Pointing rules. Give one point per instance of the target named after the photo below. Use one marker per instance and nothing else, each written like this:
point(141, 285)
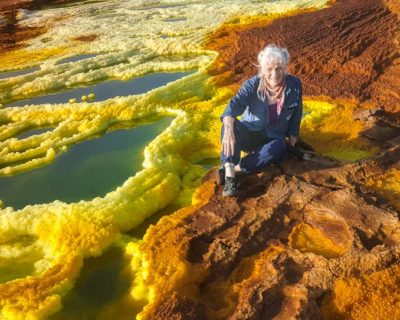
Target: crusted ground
point(279, 249)
point(305, 240)
point(315, 239)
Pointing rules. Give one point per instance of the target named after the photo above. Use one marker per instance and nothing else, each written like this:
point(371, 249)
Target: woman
point(270, 104)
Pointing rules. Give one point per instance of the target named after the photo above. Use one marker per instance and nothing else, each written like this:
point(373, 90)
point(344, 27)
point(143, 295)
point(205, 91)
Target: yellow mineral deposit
point(332, 130)
point(373, 296)
point(166, 272)
point(24, 58)
point(388, 186)
point(307, 238)
point(64, 234)
point(322, 233)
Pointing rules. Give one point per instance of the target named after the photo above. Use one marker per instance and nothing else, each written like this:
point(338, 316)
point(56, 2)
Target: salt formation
point(307, 240)
point(49, 241)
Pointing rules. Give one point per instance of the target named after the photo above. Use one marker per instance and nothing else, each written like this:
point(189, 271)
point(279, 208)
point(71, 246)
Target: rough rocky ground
point(281, 248)
point(12, 34)
point(303, 240)
point(276, 251)
point(348, 50)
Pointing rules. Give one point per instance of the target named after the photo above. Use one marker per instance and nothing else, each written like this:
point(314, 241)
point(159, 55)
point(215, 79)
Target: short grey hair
point(274, 52)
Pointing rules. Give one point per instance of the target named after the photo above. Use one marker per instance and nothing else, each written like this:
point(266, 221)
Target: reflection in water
point(10, 74)
point(103, 284)
point(33, 132)
point(77, 58)
point(108, 89)
point(209, 163)
point(89, 169)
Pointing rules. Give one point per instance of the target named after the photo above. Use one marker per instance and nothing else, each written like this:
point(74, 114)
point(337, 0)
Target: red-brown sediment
point(86, 38)
point(255, 267)
point(348, 50)
point(10, 5)
point(12, 35)
point(229, 237)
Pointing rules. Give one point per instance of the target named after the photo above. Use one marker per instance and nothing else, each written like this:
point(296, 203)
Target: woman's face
point(274, 72)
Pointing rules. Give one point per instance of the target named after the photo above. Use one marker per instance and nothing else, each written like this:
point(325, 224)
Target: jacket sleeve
point(237, 105)
point(294, 124)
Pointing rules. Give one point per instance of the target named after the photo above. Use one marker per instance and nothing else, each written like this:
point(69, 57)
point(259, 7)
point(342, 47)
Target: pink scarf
point(276, 93)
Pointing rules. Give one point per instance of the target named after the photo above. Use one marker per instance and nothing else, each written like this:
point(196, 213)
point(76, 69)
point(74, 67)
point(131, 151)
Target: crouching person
point(270, 106)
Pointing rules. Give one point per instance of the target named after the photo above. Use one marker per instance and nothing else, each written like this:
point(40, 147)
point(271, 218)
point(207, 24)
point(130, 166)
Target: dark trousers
point(261, 151)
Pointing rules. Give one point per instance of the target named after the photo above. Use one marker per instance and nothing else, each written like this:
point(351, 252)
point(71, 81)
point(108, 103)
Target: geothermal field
point(110, 140)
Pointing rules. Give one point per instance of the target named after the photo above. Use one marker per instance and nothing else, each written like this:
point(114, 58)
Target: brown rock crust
point(233, 238)
point(277, 250)
point(349, 50)
point(12, 34)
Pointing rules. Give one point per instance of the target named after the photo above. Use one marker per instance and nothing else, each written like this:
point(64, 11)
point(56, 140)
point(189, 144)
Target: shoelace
point(230, 183)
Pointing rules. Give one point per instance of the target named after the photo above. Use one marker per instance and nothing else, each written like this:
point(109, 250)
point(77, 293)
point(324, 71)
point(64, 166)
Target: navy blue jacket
point(254, 111)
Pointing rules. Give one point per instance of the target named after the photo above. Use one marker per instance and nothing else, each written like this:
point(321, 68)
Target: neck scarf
point(266, 92)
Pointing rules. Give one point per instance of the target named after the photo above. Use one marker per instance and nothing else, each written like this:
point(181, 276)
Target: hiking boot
point(220, 176)
point(230, 188)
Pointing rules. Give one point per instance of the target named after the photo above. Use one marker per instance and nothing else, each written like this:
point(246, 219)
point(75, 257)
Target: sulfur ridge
point(49, 242)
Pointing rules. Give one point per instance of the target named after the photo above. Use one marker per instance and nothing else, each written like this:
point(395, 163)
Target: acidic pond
point(88, 169)
point(10, 74)
point(76, 58)
point(108, 89)
point(96, 166)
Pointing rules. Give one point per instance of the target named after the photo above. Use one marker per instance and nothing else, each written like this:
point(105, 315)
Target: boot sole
point(229, 194)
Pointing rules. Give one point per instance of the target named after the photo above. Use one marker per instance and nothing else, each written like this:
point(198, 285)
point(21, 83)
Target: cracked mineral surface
point(312, 239)
point(309, 239)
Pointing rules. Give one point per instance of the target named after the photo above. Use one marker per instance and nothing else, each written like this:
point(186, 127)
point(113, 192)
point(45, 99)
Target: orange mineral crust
point(19, 296)
point(348, 50)
point(303, 238)
point(279, 248)
point(374, 296)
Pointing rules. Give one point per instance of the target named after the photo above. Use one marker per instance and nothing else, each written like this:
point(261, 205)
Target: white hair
point(270, 52)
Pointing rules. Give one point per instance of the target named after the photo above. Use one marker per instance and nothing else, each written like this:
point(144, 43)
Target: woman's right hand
point(228, 141)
